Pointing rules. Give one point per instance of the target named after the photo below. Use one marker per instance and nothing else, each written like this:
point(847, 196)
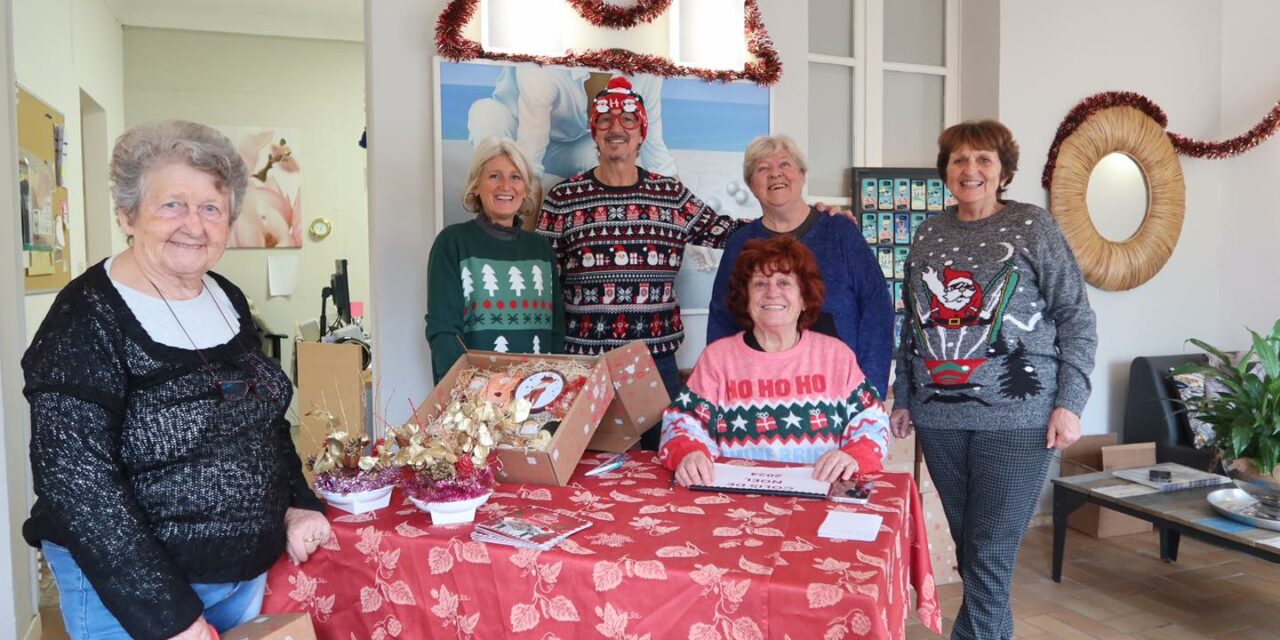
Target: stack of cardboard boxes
point(905, 457)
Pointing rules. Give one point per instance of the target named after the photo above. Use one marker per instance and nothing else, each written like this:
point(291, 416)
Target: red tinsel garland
point(1255, 136)
point(765, 70)
point(601, 14)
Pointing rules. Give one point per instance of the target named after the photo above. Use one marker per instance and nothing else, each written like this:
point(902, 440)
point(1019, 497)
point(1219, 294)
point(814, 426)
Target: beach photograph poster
point(698, 132)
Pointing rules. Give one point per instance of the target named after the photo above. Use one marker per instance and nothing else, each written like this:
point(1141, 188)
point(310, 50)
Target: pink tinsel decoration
point(451, 490)
point(343, 481)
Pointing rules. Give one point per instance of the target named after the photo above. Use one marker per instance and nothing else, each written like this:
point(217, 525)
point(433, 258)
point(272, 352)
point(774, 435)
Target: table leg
point(1169, 544)
point(1065, 501)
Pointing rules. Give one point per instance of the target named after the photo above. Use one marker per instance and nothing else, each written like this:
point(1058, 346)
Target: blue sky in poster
point(696, 115)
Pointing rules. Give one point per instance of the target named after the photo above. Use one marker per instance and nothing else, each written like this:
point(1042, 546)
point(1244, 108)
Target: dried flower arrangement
point(549, 387)
point(447, 459)
point(341, 466)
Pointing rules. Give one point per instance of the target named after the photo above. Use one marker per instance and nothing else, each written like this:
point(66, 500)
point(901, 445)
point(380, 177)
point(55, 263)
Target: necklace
point(227, 389)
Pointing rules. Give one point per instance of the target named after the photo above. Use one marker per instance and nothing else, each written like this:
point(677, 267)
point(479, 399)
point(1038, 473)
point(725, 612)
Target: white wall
point(315, 86)
point(1169, 51)
point(1251, 216)
point(60, 48)
point(17, 588)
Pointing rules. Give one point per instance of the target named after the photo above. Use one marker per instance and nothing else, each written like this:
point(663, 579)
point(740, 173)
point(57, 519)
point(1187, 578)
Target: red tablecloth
point(656, 564)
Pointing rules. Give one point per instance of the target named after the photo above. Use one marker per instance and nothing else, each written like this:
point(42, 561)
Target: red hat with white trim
point(618, 96)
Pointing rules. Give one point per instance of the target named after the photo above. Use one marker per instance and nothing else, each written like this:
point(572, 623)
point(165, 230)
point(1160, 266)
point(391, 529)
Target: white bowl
point(359, 501)
point(455, 512)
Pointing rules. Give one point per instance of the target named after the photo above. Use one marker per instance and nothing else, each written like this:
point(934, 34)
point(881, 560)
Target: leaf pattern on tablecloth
point(613, 623)
point(754, 567)
point(719, 498)
point(573, 547)
point(406, 530)
point(607, 574)
point(305, 593)
point(652, 526)
point(355, 517)
point(686, 551)
point(619, 496)
point(849, 581)
point(545, 576)
point(614, 540)
point(729, 594)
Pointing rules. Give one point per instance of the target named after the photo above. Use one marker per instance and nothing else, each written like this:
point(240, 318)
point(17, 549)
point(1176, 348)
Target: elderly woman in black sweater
point(166, 480)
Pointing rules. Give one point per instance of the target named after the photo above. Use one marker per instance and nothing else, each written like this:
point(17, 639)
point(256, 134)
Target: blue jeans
point(226, 604)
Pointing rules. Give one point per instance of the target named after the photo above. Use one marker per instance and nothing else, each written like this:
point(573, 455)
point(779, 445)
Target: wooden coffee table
point(1173, 513)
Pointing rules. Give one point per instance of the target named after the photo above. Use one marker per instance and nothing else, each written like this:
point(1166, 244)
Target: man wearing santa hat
point(675, 217)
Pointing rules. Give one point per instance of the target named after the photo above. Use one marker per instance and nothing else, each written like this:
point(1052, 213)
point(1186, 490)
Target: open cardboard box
point(1101, 453)
point(622, 398)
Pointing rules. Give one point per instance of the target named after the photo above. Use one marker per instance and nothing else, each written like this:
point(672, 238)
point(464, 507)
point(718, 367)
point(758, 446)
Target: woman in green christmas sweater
point(490, 284)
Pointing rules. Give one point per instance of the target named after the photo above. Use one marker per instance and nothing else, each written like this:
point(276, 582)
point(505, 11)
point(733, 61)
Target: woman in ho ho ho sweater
point(776, 391)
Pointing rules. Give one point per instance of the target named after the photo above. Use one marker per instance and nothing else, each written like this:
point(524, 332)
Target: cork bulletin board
point(46, 238)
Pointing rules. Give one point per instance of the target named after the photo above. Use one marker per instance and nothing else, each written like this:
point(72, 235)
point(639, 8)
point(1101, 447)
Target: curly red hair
point(781, 253)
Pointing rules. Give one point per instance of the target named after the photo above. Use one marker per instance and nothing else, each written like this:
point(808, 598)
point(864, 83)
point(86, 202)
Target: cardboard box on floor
point(278, 626)
point(622, 398)
point(1101, 453)
point(942, 549)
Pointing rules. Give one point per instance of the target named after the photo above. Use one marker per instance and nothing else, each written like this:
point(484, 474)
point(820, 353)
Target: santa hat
point(951, 276)
point(618, 96)
point(617, 248)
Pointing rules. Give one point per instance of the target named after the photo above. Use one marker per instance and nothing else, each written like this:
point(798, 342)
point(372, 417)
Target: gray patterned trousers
point(989, 482)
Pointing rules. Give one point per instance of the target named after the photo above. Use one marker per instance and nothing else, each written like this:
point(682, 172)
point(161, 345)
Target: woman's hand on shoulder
point(305, 530)
point(695, 468)
point(1064, 429)
point(834, 465)
point(900, 423)
point(835, 210)
point(199, 630)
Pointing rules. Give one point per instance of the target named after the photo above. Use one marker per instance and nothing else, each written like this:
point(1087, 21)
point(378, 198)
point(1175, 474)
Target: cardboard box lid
point(640, 397)
point(277, 626)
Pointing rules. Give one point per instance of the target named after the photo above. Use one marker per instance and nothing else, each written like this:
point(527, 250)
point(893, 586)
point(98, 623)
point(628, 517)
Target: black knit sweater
point(142, 470)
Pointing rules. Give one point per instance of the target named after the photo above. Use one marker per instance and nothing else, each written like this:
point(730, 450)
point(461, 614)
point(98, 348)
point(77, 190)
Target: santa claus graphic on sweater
point(955, 298)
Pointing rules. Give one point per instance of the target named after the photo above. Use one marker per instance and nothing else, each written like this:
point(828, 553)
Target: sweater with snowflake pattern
point(619, 250)
point(789, 406)
point(495, 291)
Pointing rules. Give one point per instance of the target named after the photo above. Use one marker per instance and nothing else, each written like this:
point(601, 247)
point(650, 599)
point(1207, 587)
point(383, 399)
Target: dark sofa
point(1150, 413)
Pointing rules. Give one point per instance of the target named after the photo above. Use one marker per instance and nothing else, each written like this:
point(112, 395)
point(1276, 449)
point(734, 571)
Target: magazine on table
point(529, 527)
point(1179, 477)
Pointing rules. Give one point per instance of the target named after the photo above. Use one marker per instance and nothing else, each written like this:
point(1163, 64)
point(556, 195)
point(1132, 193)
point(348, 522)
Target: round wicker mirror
point(1119, 265)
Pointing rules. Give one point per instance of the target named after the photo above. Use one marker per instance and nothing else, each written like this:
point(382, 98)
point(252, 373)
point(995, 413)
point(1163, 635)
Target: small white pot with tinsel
point(346, 478)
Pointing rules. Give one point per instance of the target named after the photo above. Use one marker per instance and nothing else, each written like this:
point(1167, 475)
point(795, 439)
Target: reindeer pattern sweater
point(789, 406)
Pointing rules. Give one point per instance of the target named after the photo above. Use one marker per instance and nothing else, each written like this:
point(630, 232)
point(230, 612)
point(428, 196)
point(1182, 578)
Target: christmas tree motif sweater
point(788, 406)
point(619, 249)
point(494, 289)
point(998, 328)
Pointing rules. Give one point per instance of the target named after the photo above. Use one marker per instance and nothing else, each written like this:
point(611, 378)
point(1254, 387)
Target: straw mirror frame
point(1123, 265)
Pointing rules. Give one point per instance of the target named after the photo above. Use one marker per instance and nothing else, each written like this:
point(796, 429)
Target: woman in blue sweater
point(857, 309)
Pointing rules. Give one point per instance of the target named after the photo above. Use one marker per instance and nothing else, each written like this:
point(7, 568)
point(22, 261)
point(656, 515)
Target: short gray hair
point(764, 146)
point(488, 149)
point(157, 144)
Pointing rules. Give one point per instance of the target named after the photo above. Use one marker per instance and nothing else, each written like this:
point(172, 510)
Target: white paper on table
point(282, 275)
point(1126, 490)
point(845, 525)
point(732, 477)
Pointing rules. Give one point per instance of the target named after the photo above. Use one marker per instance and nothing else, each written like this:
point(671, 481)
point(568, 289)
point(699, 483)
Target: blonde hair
point(488, 149)
point(764, 146)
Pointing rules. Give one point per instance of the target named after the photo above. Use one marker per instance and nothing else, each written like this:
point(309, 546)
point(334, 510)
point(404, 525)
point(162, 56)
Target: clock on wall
point(320, 228)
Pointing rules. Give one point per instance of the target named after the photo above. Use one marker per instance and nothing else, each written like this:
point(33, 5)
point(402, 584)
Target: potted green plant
point(1245, 414)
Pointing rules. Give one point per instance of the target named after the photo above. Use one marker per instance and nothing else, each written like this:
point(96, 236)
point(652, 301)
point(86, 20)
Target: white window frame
point(869, 66)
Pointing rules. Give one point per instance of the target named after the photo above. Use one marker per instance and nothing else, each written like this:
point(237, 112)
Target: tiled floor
point(1118, 589)
point(1112, 589)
